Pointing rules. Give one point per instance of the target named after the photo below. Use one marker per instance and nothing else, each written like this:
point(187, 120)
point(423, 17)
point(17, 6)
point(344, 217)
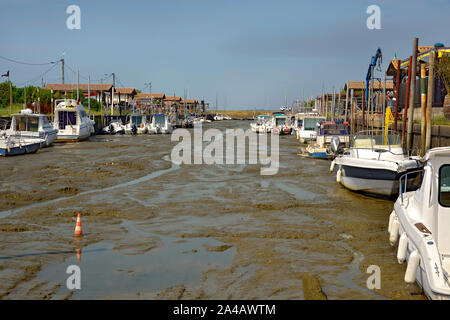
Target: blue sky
point(251, 53)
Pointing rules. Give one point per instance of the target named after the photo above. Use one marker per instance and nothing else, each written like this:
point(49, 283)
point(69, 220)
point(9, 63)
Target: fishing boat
point(374, 163)
point(13, 145)
point(27, 124)
point(71, 121)
point(308, 131)
point(331, 138)
point(420, 223)
point(160, 124)
point(280, 125)
point(136, 124)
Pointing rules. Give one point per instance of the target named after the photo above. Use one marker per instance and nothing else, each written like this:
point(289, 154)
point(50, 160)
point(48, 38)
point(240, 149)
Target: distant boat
point(27, 124)
point(280, 125)
point(308, 131)
point(115, 127)
point(218, 117)
point(331, 137)
point(160, 124)
point(13, 145)
point(136, 124)
point(71, 121)
point(260, 125)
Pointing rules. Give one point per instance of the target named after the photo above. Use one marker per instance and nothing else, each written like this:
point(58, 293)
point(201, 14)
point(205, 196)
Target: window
point(444, 186)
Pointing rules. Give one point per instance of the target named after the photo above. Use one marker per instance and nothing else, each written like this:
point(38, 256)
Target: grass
point(437, 121)
point(241, 114)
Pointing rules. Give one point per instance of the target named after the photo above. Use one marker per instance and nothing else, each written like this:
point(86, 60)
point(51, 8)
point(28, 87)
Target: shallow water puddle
point(106, 272)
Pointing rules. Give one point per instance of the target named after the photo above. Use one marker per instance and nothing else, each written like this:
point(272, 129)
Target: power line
point(27, 63)
point(39, 77)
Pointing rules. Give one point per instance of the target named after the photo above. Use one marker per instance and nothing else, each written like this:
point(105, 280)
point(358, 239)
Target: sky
point(246, 53)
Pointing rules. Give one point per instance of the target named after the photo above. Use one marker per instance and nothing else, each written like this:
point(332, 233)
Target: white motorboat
point(308, 131)
point(71, 121)
point(420, 222)
point(260, 123)
point(218, 117)
point(160, 124)
point(13, 145)
point(374, 163)
point(331, 138)
point(136, 124)
point(27, 124)
point(280, 124)
point(115, 127)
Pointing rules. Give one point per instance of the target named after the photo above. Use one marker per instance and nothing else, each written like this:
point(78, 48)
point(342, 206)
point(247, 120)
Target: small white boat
point(374, 163)
point(420, 223)
point(115, 127)
point(331, 138)
point(260, 124)
point(27, 124)
point(160, 124)
point(136, 124)
point(218, 117)
point(13, 145)
point(71, 121)
point(280, 125)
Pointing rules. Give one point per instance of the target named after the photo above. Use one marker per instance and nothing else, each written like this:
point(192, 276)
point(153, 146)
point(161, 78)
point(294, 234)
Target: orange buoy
point(78, 231)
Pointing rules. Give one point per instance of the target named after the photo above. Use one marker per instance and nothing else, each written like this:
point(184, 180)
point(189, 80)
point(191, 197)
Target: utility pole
point(78, 86)
point(62, 69)
point(412, 96)
point(114, 79)
point(89, 95)
point(346, 103)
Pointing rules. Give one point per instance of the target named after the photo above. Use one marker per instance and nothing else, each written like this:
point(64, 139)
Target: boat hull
point(370, 180)
point(15, 151)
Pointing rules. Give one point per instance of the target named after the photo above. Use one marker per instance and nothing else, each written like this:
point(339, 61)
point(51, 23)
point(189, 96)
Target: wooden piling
point(423, 105)
point(412, 96)
point(397, 94)
point(430, 100)
point(406, 102)
point(346, 102)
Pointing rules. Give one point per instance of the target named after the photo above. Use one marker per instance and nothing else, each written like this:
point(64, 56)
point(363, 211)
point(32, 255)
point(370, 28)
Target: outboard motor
point(111, 129)
point(334, 144)
point(134, 129)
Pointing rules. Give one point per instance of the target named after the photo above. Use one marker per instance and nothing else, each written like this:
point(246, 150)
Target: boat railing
point(403, 182)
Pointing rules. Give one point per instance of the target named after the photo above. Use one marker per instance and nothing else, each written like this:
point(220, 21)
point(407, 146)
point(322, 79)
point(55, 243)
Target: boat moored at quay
point(71, 121)
point(420, 223)
point(374, 163)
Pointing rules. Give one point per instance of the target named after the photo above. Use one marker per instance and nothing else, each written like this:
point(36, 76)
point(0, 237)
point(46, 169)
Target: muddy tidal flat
point(155, 230)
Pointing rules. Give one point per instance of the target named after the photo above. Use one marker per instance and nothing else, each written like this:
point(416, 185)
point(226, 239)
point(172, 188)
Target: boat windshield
point(160, 119)
point(334, 129)
point(311, 123)
point(280, 121)
point(299, 122)
point(376, 140)
point(137, 120)
point(27, 123)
